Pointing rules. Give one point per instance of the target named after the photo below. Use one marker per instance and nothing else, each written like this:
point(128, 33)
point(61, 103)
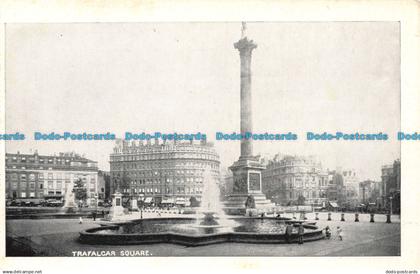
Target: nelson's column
point(247, 170)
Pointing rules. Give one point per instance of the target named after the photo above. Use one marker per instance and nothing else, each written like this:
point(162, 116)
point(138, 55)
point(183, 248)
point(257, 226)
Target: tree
point(79, 190)
point(194, 202)
point(301, 200)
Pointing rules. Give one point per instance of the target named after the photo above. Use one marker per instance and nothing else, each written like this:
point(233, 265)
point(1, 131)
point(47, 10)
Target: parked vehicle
point(14, 203)
point(106, 204)
point(54, 203)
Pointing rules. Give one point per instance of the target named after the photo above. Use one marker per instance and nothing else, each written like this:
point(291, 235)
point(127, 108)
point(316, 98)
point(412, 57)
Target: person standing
point(328, 232)
point(339, 233)
point(289, 231)
point(300, 233)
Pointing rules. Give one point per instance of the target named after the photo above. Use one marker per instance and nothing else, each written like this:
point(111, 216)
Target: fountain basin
point(167, 230)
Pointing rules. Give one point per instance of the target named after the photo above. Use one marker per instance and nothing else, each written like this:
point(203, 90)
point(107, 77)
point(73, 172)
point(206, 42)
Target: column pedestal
point(116, 211)
point(246, 183)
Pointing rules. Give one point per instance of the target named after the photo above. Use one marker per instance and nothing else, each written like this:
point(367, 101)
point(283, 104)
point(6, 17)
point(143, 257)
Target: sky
point(184, 77)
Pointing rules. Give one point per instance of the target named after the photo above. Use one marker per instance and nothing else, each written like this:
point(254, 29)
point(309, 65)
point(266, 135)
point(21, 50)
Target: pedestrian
point(328, 232)
point(289, 231)
point(80, 220)
point(94, 215)
point(339, 233)
point(300, 233)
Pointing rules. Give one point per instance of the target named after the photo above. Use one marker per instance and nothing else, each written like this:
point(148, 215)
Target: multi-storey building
point(295, 179)
point(168, 172)
point(343, 188)
point(34, 176)
point(391, 185)
point(104, 183)
point(367, 192)
point(335, 182)
point(350, 191)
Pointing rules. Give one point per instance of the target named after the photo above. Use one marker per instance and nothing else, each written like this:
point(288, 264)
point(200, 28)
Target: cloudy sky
point(184, 77)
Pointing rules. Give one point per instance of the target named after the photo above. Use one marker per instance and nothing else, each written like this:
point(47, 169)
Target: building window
point(32, 194)
point(23, 194)
point(50, 185)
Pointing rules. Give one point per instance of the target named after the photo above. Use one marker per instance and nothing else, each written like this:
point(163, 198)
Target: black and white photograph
point(225, 137)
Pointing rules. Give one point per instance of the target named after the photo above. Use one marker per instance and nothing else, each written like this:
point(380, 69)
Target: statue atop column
point(243, 35)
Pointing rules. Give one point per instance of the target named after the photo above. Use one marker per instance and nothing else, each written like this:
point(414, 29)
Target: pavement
point(59, 237)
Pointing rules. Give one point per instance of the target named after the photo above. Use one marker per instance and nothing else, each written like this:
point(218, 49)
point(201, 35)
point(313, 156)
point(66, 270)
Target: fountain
point(209, 226)
point(210, 213)
point(69, 201)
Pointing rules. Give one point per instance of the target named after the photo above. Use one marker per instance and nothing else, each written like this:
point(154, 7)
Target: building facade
point(344, 188)
point(335, 182)
point(391, 186)
point(349, 197)
point(291, 180)
point(158, 173)
point(104, 185)
point(368, 192)
point(34, 176)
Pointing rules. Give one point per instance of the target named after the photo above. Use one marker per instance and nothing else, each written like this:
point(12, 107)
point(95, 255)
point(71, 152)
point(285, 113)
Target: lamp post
point(390, 205)
point(388, 218)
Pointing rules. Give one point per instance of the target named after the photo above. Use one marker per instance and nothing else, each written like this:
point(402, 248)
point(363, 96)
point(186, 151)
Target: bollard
point(316, 216)
point(388, 218)
point(372, 218)
point(329, 216)
point(342, 217)
point(356, 217)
